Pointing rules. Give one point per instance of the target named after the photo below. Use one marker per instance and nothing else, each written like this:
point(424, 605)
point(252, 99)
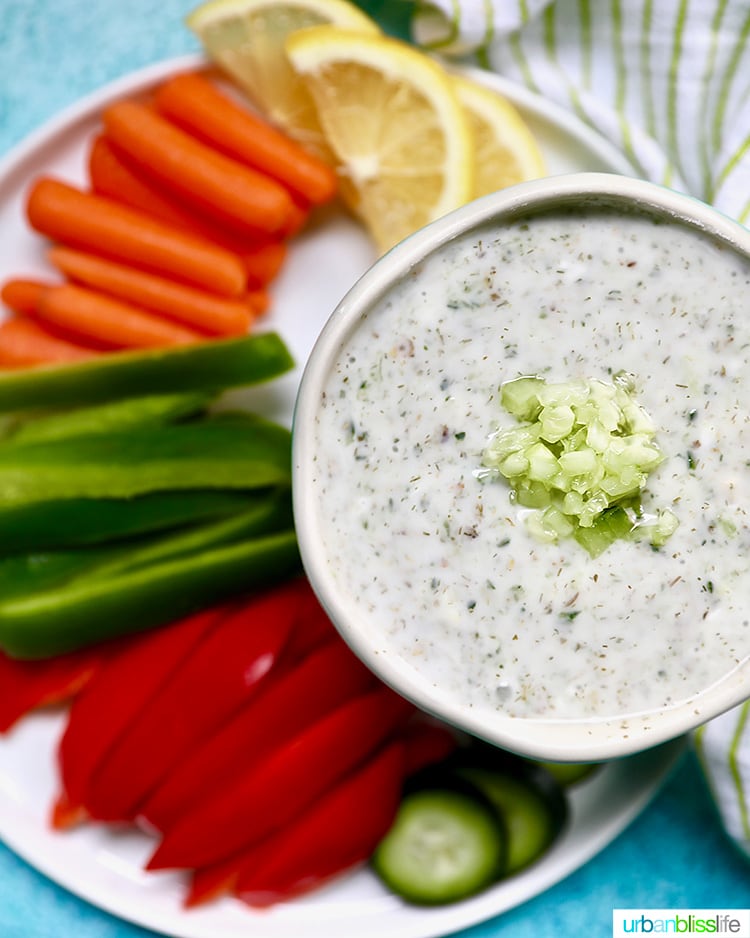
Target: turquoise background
point(675, 855)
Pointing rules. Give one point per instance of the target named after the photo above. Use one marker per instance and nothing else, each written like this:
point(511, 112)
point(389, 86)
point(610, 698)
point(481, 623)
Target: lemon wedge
point(245, 38)
point(505, 150)
point(393, 120)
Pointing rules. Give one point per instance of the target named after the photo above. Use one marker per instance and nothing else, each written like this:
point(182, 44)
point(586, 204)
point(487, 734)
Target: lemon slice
point(506, 151)
point(245, 38)
point(394, 122)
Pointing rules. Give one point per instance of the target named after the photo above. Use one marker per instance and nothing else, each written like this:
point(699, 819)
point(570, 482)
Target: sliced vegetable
point(22, 575)
point(25, 344)
point(48, 526)
point(530, 803)
point(314, 628)
point(270, 511)
point(321, 755)
point(341, 829)
point(445, 845)
point(99, 224)
point(26, 575)
point(296, 699)
point(26, 685)
point(194, 102)
point(570, 773)
point(210, 366)
point(210, 453)
point(120, 690)
point(427, 743)
point(234, 193)
point(152, 410)
point(198, 309)
point(224, 671)
point(581, 456)
point(85, 610)
point(216, 880)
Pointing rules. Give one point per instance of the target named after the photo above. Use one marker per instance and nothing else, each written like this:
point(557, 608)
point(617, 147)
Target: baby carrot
point(95, 315)
point(196, 104)
point(258, 300)
point(93, 222)
point(264, 262)
point(204, 311)
point(297, 218)
point(200, 174)
point(113, 176)
point(24, 344)
point(22, 296)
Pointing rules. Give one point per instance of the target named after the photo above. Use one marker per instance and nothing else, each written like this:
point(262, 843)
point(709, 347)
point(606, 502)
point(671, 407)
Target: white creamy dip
point(446, 574)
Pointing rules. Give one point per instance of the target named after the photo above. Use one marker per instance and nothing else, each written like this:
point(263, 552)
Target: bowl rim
point(549, 739)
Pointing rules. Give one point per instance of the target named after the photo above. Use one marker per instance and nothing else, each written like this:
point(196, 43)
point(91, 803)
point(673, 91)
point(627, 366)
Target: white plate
point(104, 865)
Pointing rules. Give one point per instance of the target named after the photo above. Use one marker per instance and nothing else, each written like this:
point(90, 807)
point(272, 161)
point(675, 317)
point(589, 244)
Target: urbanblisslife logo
point(727, 923)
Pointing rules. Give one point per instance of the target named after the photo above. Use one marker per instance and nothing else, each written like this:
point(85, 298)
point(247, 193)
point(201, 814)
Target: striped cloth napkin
point(668, 81)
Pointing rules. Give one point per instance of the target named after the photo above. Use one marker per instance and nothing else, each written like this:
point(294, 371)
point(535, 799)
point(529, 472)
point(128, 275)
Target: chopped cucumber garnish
point(579, 458)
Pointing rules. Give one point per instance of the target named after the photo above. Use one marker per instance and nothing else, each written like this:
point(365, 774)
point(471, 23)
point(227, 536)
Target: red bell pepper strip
point(427, 743)
point(293, 700)
point(27, 685)
point(219, 879)
point(313, 628)
point(122, 687)
point(220, 674)
point(341, 830)
point(285, 783)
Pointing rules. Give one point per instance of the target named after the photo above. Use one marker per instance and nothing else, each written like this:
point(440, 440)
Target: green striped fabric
point(669, 82)
point(723, 747)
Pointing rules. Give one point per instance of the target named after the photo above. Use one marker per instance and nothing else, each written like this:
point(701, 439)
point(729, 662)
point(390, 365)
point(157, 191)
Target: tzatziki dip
point(447, 577)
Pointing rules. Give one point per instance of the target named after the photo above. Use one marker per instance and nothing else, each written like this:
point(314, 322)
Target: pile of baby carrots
point(191, 201)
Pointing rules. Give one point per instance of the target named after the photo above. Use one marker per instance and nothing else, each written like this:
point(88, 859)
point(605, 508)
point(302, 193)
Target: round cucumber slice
point(444, 845)
point(570, 773)
point(531, 804)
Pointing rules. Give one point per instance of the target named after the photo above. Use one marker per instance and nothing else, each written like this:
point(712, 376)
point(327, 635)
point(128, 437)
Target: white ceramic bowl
point(603, 735)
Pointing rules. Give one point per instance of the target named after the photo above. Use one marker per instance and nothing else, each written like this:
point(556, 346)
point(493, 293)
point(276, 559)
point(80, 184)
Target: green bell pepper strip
point(123, 464)
point(153, 410)
point(27, 574)
point(271, 512)
point(90, 609)
point(79, 522)
point(21, 574)
point(205, 366)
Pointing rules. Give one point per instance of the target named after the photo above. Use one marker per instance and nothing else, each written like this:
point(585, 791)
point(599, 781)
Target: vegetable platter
point(105, 865)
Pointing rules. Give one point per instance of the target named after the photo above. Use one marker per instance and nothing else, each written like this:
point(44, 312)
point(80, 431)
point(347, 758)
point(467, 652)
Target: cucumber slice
point(531, 804)
point(570, 773)
point(444, 845)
